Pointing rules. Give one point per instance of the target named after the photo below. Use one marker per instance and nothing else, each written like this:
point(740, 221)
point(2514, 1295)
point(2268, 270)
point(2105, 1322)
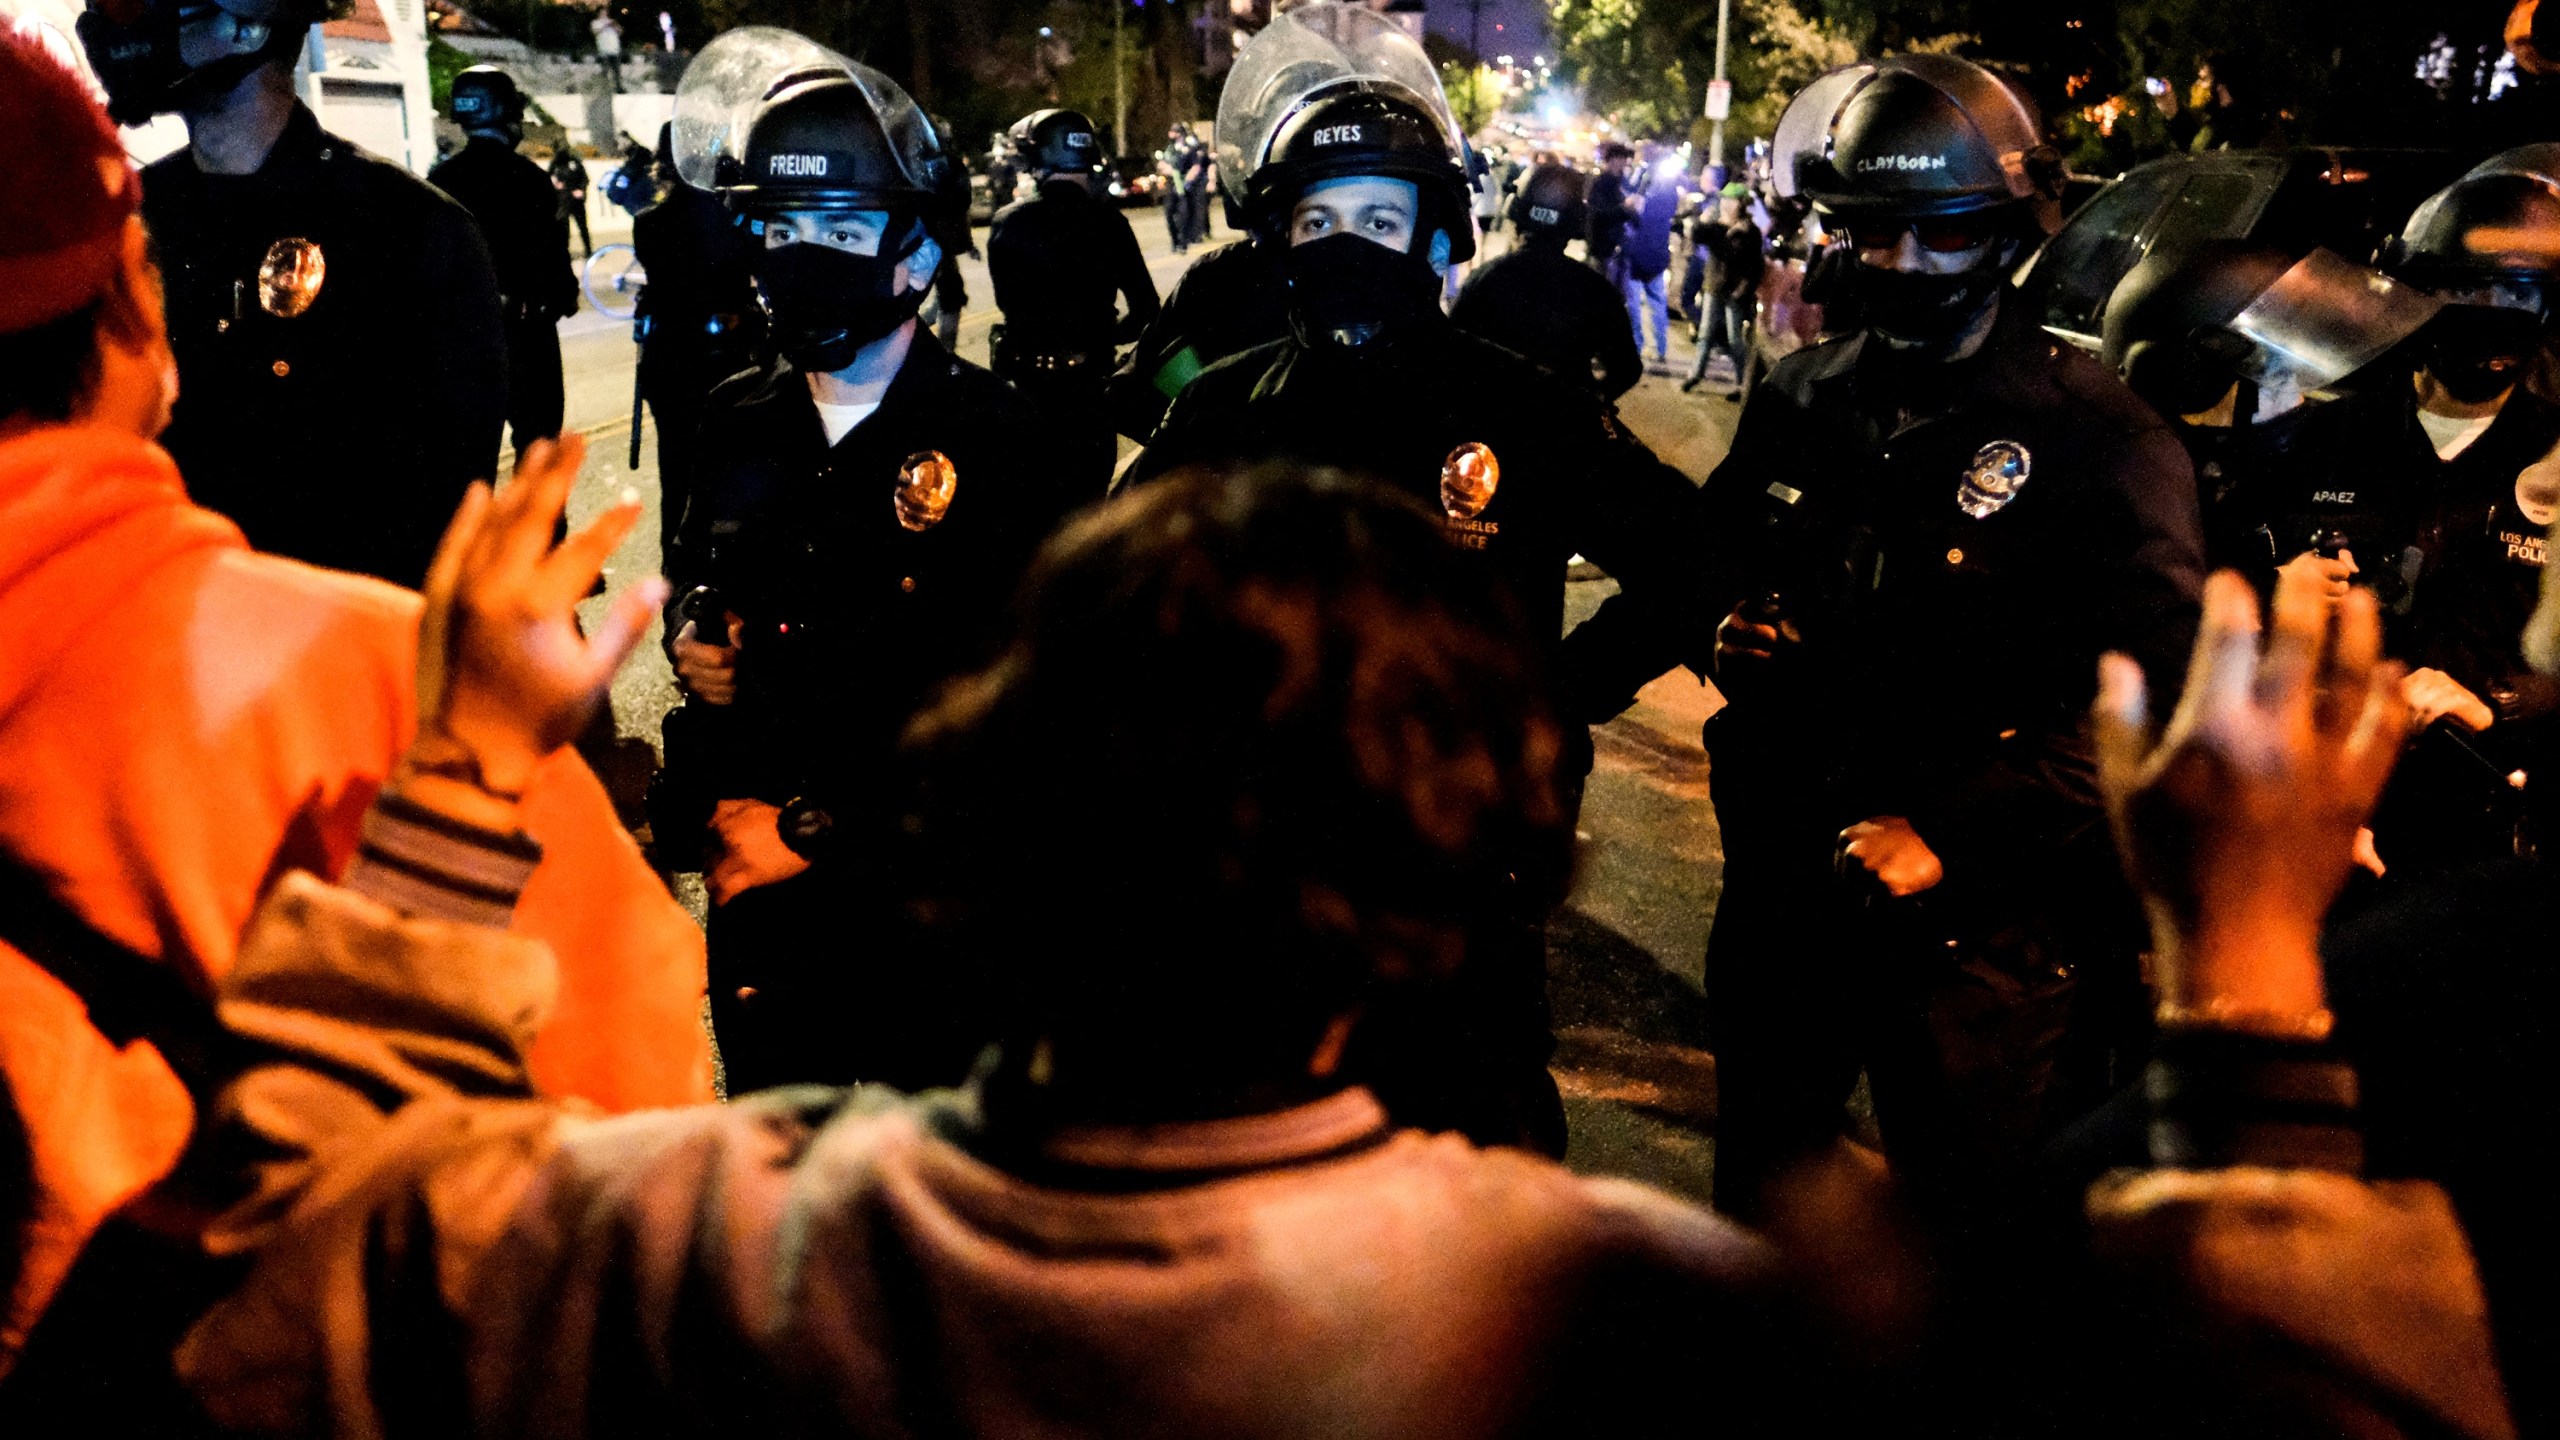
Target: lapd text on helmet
point(797, 165)
point(1901, 162)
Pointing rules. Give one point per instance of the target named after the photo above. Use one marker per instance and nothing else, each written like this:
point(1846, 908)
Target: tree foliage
point(2349, 72)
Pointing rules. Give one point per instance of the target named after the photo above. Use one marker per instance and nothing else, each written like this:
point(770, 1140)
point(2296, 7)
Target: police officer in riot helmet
point(528, 242)
point(1540, 304)
point(1352, 174)
point(2473, 445)
point(699, 322)
point(335, 319)
point(1062, 261)
point(864, 504)
point(2240, 346)
point(1939, 521)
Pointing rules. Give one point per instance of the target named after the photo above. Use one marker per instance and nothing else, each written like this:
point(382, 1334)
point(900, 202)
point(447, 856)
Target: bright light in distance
point(1044, 32)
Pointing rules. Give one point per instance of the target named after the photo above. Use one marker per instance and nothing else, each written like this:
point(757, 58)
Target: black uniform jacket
point(1571, 480)
point(852, 618)
point(1948, 657)
point(1557, 311)
point(2475, 526)
point(701, 298)
point(345, 434)
point(2476, 542)
point(1060, 260)
point(1227, 302)
point(519, 213)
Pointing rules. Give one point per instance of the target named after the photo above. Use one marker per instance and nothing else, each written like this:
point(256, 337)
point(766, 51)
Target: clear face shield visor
point(2323, 320)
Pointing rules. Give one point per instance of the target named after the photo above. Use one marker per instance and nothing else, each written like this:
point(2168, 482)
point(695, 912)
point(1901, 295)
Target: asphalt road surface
point(1625, 954)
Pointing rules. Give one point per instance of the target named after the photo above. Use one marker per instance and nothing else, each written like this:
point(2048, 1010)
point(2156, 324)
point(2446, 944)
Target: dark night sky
point(1524, 23)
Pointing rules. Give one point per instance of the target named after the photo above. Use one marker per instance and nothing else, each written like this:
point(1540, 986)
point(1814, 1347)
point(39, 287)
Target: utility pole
point(1715, 140)
point(1119, 81)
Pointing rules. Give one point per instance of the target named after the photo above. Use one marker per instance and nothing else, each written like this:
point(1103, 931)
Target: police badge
point(926, 482)
point(289, 277)
point(1997, 473)
point(1468, 479)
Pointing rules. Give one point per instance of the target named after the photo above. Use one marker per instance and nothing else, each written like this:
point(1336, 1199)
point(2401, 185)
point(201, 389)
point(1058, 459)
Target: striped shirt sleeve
point(429, 865)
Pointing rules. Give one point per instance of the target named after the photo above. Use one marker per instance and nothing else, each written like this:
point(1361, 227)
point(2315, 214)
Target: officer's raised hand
point(1894, 854)
point(709, 672)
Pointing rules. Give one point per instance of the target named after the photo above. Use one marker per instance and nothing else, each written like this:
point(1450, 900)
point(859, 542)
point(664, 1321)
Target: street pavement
point(1626, 952)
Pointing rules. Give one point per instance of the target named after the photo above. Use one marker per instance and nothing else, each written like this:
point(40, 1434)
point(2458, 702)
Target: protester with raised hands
point(2280, 1292)
point(184, 720)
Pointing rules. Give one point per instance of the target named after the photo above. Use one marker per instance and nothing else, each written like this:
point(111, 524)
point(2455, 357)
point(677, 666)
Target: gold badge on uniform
point(1996, 474)
point(926, 483)
point(1468, 479)
point(289, 278)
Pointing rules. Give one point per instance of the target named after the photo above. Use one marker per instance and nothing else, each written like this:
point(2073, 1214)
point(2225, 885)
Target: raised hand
point(2238, 823)
point(504, 676)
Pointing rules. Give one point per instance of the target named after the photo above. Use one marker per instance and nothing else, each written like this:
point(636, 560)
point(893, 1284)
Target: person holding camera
point(863, 506)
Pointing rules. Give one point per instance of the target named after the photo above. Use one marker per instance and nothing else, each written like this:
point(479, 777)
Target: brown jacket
point(825, 1262)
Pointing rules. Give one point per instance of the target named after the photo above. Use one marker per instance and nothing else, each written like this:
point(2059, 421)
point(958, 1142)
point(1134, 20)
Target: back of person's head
point(67, 199)
point(1261, 744)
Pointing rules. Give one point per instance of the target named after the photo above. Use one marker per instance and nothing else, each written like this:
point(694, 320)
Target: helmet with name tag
point(1329, 90)
point(1056, 142)
point(1916, 136)
point(1551, 199)
point(776, 122)
point(485, 98)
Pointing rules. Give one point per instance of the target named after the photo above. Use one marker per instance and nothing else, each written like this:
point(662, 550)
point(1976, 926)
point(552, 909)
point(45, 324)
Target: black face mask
point(1923, 310)
point(827, 304)
point(1346, 290)
point(2477, 352)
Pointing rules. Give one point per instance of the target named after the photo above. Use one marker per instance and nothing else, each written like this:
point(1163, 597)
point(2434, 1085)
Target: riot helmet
point(1336, 98)
point(2489, 246)
point(1928, 148)
point(1916, 135)
point(2184, 329)
point(1056, 142)
point(157, 56)
point(794, 136)
point(1550, 202)
point(487, 102)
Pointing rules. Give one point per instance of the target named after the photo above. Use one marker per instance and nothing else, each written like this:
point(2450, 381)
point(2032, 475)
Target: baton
point(640, 339)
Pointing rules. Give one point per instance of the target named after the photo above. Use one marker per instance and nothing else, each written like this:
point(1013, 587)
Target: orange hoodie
point(181, 722)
